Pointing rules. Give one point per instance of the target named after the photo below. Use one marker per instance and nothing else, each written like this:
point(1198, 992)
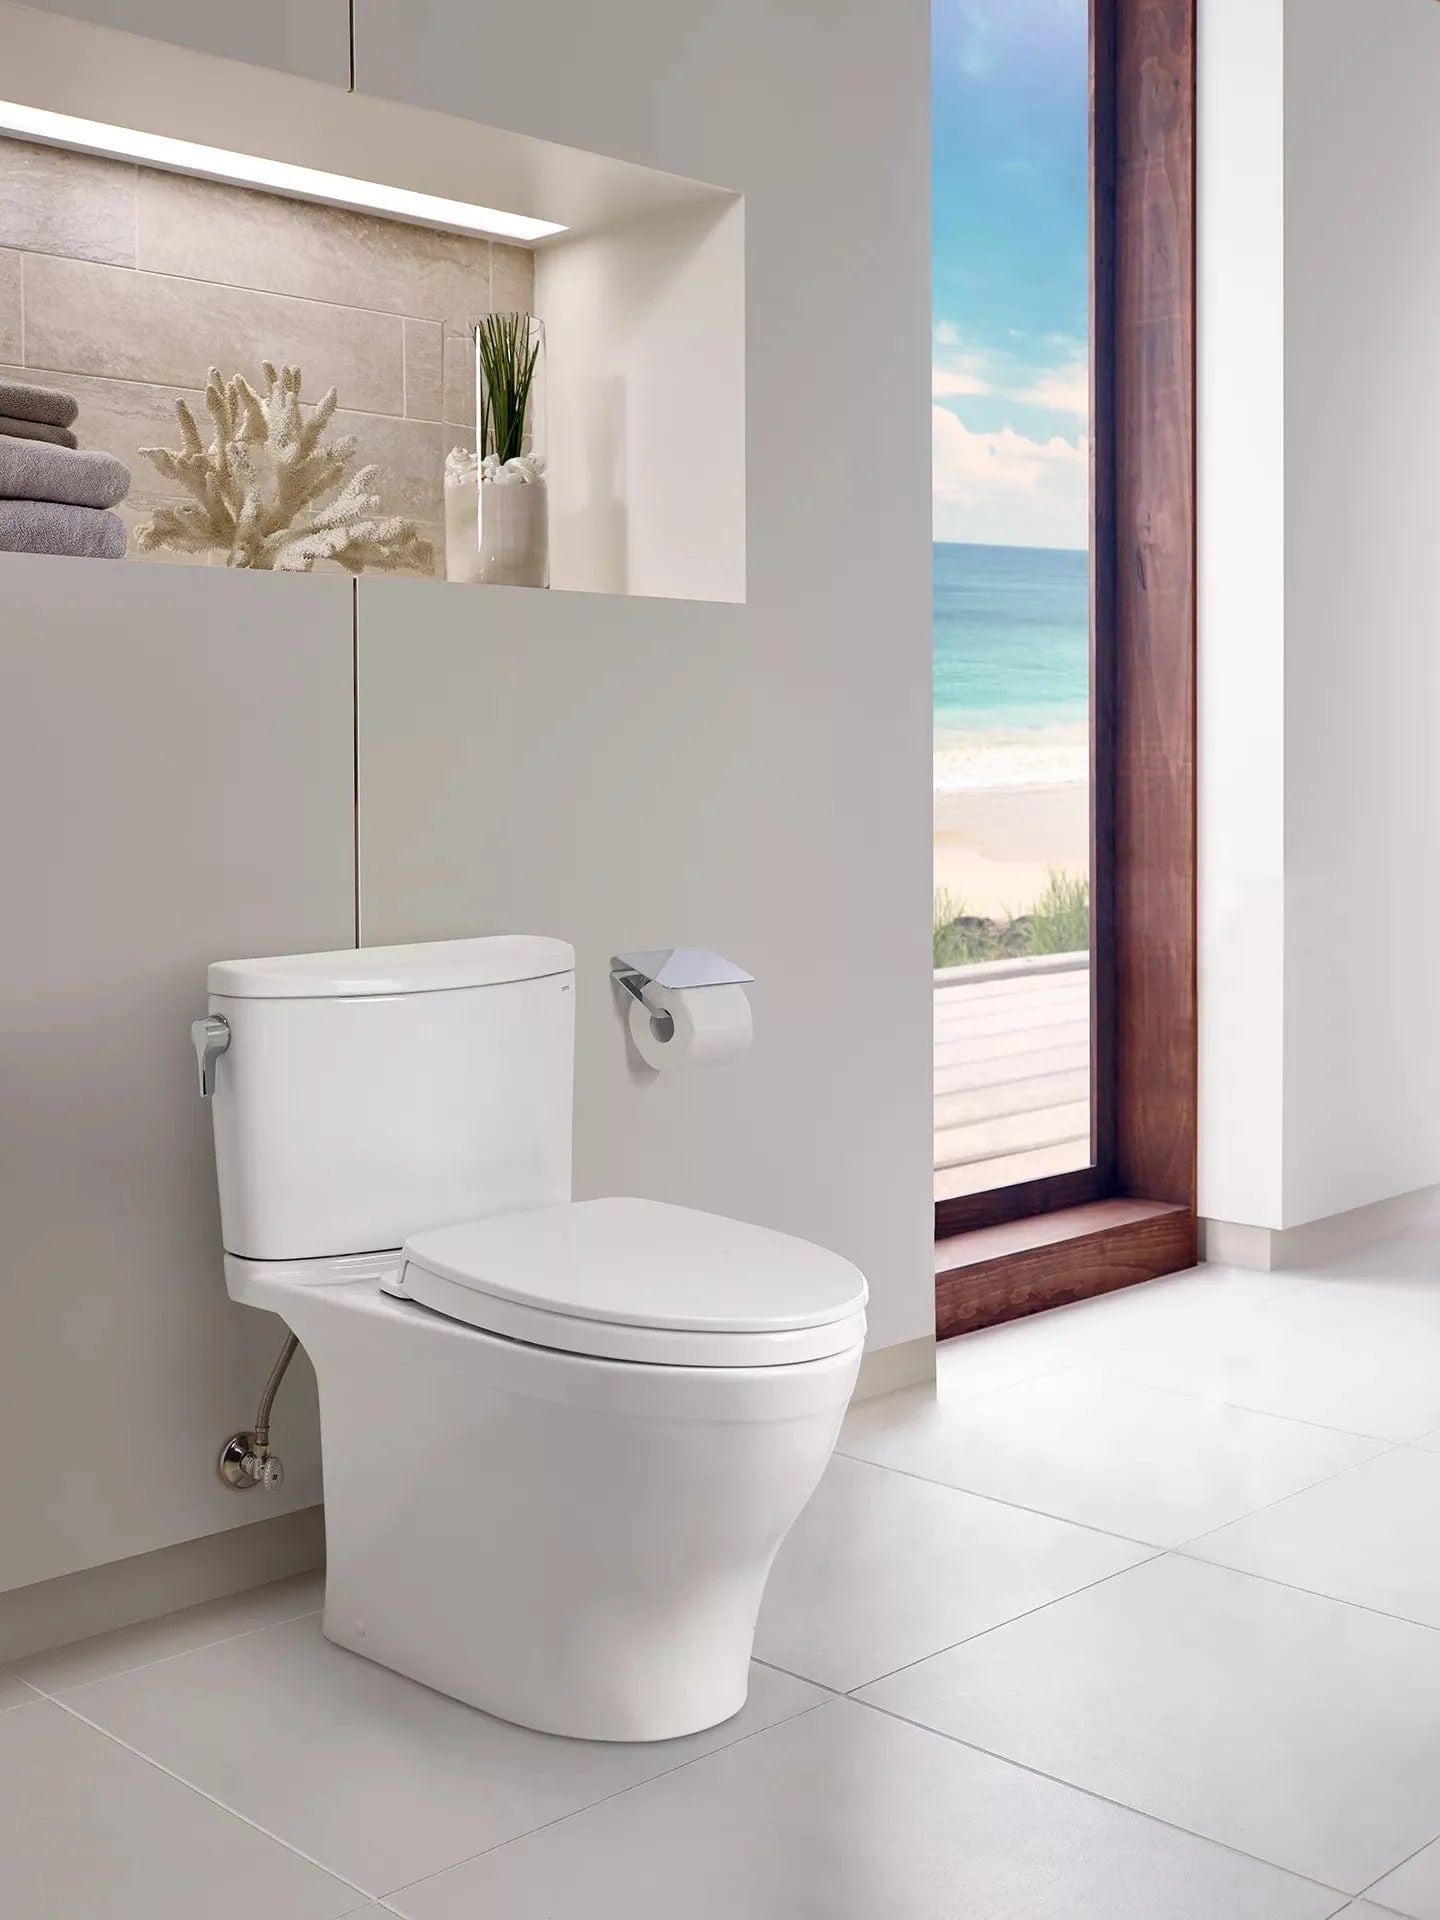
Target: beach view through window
point(1011, 387)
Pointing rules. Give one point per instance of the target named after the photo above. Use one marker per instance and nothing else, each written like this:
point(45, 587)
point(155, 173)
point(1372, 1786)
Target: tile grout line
point(64, 1703)
point(1240, 1406)
point(263, 293)
point(1044, 1606)
point(1386, 1448)
point(1090, 1793)
point(804, 1678)
point(9, 1673)
point(187, 391)
point(1108, 1366)
point(200, 1793)
point(1395, 1869)
point(1015, 1506)
point(635, 1786)
point(1310, 1593)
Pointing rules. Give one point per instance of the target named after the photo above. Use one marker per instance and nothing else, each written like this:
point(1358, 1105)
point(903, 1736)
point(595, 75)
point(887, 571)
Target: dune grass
point(1058, 922)
point(1060, 918)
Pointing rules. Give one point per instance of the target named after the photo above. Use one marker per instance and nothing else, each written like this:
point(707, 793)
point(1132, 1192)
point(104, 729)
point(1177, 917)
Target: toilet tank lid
point(430, 966)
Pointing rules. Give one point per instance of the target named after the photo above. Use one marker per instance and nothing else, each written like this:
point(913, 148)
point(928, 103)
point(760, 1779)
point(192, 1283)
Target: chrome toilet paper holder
point(674, 968)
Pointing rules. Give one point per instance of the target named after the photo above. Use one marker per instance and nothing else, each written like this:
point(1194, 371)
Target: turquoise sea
point(1012, 650)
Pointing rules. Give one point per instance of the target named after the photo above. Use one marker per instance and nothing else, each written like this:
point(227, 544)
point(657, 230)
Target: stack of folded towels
point(53, 497)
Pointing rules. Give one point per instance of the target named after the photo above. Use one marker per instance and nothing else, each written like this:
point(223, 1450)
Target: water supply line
point(245, 1459)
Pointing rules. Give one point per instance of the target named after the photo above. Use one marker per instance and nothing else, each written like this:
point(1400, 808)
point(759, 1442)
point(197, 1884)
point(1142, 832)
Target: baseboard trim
point(887, 1369)
point(54, 1612)
point(1230, 1243)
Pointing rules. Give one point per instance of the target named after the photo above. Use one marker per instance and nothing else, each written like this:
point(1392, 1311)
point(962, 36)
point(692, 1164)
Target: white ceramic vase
point(514, 534)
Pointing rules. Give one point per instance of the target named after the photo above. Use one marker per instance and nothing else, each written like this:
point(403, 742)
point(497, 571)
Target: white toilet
point(562, 1440)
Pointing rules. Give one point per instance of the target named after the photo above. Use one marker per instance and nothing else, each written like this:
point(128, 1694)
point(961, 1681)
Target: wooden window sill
point(1024, 1266)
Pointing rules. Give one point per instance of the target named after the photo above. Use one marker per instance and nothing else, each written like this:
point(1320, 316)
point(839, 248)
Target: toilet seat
point(638, 1280)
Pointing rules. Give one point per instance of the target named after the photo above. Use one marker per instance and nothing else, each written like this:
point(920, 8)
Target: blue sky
point(1011, 271)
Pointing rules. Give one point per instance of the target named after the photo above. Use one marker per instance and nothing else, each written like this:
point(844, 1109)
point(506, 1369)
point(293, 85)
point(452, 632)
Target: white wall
point(1362, 181)
point(753, 777)
point(176, 785)
point(646, 404)
point(1341, 1091)
point(1241, 692)
point(754, 774)
point(312, 37)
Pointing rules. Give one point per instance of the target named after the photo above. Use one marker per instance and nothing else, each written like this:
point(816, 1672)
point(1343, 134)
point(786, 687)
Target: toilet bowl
point(562, 1441)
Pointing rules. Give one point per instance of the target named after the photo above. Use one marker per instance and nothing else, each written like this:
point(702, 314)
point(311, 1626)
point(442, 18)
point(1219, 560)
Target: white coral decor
point(259, 488)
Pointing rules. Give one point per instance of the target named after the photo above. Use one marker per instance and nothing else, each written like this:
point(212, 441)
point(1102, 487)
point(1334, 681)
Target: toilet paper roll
point(706, 1024)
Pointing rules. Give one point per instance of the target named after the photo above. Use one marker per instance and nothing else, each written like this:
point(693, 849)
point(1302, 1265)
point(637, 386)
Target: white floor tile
point(102, 1654)
point(848, 1815)
point(91, 1832)
point(883, 1569)
point(1315, 1353)
point(1413, 1889)
point(13, 1692)
point(1085, 1446)
point(1368, 1536)
point(1294, 1728)
point(1406, 1264)
point(976, 1363)
point(381, 1779)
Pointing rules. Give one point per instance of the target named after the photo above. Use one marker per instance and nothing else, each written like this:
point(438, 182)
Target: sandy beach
point(996, 848)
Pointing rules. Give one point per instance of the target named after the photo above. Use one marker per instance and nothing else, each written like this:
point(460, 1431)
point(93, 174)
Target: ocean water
point(1012, 653)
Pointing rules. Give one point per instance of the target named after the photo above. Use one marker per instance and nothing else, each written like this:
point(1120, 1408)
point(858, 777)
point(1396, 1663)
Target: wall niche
point(122, 282)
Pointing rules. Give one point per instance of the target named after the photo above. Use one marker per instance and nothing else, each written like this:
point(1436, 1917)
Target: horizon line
point(1007, 546)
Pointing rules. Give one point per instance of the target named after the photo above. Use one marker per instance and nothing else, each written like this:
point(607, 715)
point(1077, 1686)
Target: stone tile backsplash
point(55, 201)
point(123, 285)
point(123, 325)
point(10, 343)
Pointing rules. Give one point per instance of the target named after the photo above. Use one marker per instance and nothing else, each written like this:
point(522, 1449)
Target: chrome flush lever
point(209, 1037)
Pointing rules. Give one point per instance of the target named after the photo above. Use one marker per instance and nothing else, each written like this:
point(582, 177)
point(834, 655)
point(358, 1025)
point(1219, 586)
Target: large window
point(1012, 516)
point(1064, 755)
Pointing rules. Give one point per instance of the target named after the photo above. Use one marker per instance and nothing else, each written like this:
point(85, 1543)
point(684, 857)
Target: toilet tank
point(369, 1093)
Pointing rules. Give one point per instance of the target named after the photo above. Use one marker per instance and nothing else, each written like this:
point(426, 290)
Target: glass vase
point(497, 503)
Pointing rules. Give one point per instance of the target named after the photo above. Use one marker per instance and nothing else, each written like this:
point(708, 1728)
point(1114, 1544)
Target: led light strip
point(275, 176)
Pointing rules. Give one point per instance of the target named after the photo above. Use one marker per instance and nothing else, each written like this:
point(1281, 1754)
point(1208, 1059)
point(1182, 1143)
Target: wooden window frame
point(1131, 1215)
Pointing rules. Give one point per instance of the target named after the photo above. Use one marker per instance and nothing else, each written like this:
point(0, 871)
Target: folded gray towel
point(47, 404)
point(39, 526)
point(36, 430)
point(29, 470)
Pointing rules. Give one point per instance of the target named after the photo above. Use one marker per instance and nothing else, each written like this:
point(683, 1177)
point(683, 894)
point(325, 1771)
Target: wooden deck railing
point(1012, 1072)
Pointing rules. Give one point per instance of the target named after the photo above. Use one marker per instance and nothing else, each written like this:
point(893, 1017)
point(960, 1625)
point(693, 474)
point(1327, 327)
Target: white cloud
point(1063, 389)
point(1004, 490)
point(970, 368)
point(947, 384)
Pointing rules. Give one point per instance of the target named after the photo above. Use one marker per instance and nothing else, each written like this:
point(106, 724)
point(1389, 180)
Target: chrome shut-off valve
point(245, 1463)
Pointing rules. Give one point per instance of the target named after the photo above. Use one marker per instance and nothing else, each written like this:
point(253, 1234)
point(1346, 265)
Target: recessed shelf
point(134, 281)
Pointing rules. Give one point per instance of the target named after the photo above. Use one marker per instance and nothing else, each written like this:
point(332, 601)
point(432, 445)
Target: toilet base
point(578, 1546)
point(581, 1712)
